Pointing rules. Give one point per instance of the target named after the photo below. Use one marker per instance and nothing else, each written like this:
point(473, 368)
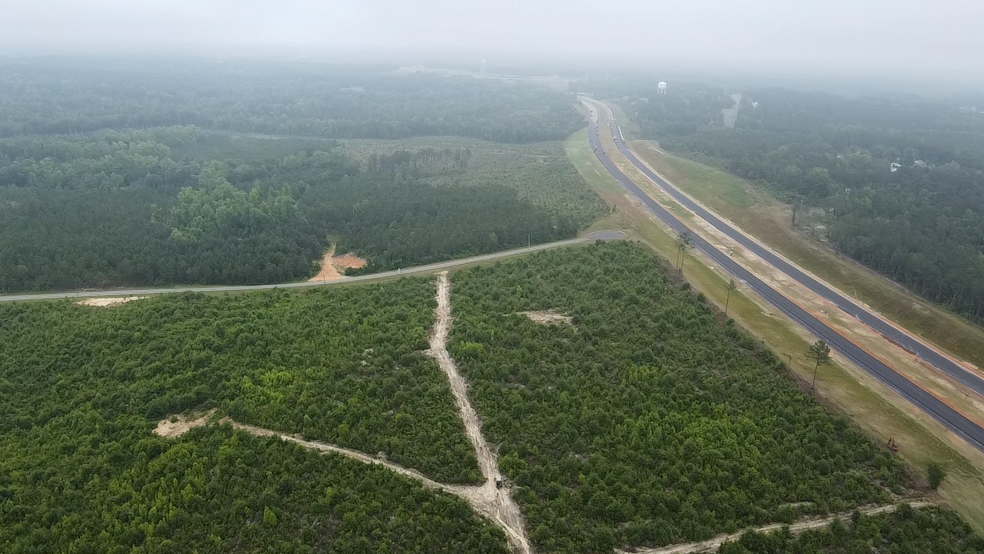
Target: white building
point(661, 87)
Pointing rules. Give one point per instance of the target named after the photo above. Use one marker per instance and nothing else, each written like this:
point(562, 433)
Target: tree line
point(335, 101)
point(180, 205)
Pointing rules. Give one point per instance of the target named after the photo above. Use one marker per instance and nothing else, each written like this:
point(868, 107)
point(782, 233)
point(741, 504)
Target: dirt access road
point(487, 499)
point(497, 501)
point(713, 544)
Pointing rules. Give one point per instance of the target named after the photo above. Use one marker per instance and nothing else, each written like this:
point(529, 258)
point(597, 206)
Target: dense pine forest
point(900, 178)
point(181, 205)
point(47, 97)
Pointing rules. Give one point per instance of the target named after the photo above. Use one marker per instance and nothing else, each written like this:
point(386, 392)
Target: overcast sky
point(941, 34)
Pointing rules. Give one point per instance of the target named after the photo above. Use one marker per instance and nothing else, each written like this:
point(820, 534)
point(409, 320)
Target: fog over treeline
point(904, 40)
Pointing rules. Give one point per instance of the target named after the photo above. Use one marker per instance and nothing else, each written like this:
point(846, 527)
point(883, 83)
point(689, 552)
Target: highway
point(430, 268)
point(959, 373)
point(940, 411)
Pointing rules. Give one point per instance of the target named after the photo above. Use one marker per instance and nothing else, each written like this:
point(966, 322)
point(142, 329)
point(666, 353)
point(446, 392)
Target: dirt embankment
point(333, 267)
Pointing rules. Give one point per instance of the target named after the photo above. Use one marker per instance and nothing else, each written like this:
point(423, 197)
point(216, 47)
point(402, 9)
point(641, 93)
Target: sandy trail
point(486, 499)
point(498, 503)
point(354, 454)
point(712, 545)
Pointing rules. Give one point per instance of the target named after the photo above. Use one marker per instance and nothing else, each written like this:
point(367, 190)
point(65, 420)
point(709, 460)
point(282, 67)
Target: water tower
point(484, 67)
point(661, 88)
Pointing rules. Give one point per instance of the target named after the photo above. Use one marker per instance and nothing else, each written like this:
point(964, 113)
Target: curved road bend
point(940, 411)
point(970, 379)
point(430, 268)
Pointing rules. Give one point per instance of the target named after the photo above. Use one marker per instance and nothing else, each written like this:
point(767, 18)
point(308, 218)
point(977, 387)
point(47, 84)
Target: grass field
point(869, 404)
point(762, 216)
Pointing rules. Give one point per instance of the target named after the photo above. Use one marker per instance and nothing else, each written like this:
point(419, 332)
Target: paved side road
point(430, 268)
point(960, 424)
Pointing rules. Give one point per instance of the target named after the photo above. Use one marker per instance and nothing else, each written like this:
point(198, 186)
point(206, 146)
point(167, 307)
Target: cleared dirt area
point(713, 544)
point(106, 302)
point(175, 426)
point(549, 317)
point(730, 115)
point(333, 267)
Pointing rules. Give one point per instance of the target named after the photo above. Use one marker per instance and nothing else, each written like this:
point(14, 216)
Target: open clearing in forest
point(549, 317)
point(333, 268)
point(175, 426)
point(107, 302)
point(712, 545)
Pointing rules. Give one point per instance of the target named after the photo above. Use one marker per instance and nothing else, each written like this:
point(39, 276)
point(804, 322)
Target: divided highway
point(949, 417)
point(961, 374)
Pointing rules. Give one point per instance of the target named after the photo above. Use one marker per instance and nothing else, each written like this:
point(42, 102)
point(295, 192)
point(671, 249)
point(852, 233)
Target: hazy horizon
point(907, 38)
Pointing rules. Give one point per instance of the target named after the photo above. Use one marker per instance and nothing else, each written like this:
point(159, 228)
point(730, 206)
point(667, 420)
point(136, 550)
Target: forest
point(46, 97)
point(83, 387)
point(900, 179)
point(180, 205)
point(647, 421)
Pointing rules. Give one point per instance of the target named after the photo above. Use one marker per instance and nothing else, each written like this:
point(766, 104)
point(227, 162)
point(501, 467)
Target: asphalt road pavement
point(430, 268)
point(904, 339)
point(949, 417)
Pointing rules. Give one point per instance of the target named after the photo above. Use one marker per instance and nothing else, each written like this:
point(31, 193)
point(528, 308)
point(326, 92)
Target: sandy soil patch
point(106, 302)
point(175, 426)
point(333, 267)
point(549, 317)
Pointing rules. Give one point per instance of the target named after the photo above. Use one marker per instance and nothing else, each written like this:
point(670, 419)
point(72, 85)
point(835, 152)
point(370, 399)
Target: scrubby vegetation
point(214, 491)
point(83, 388)
point(905, 530)
point(343, 366)
point(650, 422)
